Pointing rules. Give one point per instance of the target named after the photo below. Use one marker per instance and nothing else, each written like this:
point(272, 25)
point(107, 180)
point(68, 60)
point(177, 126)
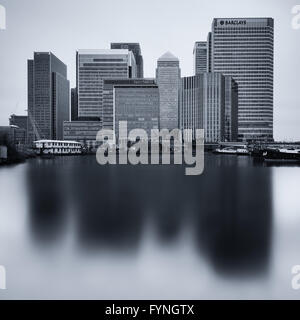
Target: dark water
point(70, 228)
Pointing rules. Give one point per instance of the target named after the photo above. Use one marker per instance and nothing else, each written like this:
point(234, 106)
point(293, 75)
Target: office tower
point(19, 121)
point(168, 80)
point(231, 109)
point(209, 101)
point(137, 102)
point(74, 104)
point(209, 52)
point(214, 107)
point(108, 97)
point(136, 50)
point(82, 131)
point(92, 67)
point(200, 57)
point(243, 48)
point(48, 97)
point(191, 104)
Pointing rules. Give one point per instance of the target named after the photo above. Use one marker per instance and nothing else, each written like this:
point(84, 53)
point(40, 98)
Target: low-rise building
point(19, 121)
point(12, 135)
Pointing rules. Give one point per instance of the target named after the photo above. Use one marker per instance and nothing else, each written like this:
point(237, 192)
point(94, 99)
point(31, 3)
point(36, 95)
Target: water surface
point(70, 228)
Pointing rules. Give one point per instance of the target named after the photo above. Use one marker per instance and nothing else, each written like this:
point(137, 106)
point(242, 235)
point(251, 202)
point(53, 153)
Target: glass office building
point(108, 97)
point(136, 102)
point(209, 101)
point(92, 67)
point(82, 131)
point(214, 107)
point(48, 97)
point(191, 105)
point(244, 49)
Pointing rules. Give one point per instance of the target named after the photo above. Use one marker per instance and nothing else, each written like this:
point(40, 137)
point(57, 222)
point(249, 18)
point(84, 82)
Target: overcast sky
point(63, 26)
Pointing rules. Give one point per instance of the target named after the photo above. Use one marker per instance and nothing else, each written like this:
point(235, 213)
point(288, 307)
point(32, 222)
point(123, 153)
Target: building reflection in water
point(108, 206)
point(235, 220)
point(227, 210)
point(47, 203)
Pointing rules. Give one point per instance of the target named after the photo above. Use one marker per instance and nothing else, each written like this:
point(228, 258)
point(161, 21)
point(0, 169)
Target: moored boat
point(49, 148)
point(231, 150)
point(227, 150)
point(242, 152)
point(282, 155)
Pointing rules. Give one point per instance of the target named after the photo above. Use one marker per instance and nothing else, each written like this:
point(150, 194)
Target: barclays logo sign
point(232, 22)
point(2, 18)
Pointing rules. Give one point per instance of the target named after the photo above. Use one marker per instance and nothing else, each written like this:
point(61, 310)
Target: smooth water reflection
point(70, 228)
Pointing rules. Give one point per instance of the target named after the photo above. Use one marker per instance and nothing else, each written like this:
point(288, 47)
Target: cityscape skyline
point(285, 102)
point(149, 150)
point(237, 49)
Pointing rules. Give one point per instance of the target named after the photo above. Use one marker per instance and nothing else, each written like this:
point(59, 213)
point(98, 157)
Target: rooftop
point(168, 56)
point(55, 141)
point(103, 51)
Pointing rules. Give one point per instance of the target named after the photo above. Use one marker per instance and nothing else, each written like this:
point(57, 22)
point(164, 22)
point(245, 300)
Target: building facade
point(60, 105)
point(48, 97)
point(168, 80)
point(200, 57)
point(74, 104)
point(136, 50)
point(209, 101)
point(19, 121)
point(244, 49)
point(136, 102)
point(209, 52)
point(214, 107)
point(108, 96)
point(92, 67)
point(12, 136)
point(191, 105)
point(82, 131)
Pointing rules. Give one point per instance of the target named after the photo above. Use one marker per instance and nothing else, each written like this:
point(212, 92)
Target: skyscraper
point(136, 50)
point(200, 57)
point(168, 80)
point(209, 101)
point(191, 104)
point(92, 67)
point(214, 107)
point(244, 49)
point(48, 97)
